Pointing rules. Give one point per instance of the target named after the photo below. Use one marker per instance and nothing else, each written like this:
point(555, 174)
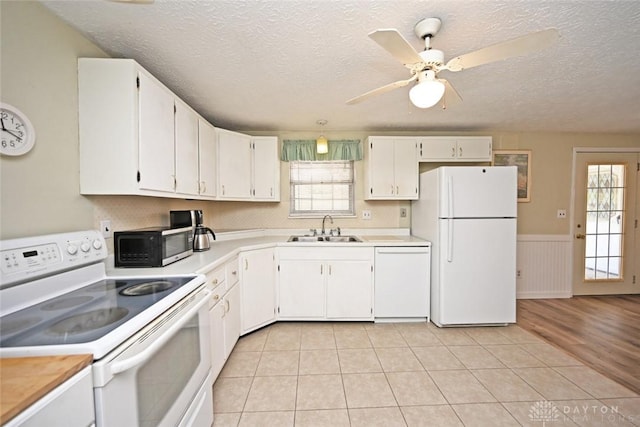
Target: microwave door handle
point(146, 354)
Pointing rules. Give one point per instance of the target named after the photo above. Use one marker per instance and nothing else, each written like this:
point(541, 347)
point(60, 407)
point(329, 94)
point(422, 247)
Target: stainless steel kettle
point(201, 238)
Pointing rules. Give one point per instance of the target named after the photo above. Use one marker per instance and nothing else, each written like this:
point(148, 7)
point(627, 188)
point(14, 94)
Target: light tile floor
point(411, 374)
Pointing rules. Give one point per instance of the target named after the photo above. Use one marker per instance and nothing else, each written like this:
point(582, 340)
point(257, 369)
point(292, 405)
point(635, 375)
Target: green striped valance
point(305, 150)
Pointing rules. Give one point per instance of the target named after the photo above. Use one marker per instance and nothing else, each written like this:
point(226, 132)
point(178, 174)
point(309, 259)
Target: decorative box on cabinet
point(455, 148)
point(248, 167)
point(136, 136)
point(391, 168)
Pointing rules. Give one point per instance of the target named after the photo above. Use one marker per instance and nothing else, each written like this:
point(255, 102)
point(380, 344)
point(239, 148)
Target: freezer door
point(478, 192)
point(477, 279)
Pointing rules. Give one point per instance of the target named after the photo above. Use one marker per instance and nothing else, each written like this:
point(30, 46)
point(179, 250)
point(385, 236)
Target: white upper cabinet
point(186, 147)
point(391, 168)
point(136, 136)
point(248, 167)
point(207, 159)
point(455, 148)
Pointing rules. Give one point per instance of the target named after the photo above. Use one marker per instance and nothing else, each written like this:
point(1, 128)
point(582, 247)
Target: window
point(321, 188)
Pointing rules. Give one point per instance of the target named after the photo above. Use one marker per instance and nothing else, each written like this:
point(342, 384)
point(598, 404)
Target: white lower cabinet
point(325, 283)
point(258, 290)
point(224, 313)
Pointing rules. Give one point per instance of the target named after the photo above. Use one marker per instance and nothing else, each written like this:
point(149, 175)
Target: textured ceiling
point(280, 65)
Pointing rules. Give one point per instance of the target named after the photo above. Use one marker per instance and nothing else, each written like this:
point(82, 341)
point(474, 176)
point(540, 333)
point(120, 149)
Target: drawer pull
point(214, 282)
point(216, 297)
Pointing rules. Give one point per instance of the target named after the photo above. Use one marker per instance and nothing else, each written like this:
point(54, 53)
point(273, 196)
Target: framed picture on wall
point(521, 159)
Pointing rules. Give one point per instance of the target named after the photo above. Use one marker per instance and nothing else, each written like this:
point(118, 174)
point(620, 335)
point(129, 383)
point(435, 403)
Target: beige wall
point(39, 191)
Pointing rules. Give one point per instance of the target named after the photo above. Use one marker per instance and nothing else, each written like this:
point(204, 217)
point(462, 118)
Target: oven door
point(155, 377)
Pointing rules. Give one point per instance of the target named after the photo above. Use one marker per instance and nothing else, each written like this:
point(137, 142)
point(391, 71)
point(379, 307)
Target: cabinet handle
point(214, 282)
point(223, 189)
point(246, 264)
point(453, 151)
point(203, 187)
point(460, 149)
point(234, 272)
point(329, 269)
point(321, 268)
point(175, 182)
point(216, 297)
point(271, 191)
point(392, 189)
point(397, 190)
point(227, 306)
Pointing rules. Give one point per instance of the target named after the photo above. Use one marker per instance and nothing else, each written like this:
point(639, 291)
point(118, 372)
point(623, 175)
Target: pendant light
point(322, 145)
point(428, 91)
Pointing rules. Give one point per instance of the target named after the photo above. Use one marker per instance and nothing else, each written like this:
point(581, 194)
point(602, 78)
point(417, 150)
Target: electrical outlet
point(105, 229)
point(562, 213)
point(366, 214)
point(403, 212)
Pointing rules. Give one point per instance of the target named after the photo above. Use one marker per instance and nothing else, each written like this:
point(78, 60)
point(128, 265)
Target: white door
point(478, 191)
point(216, 317)
point(207, 158)
point(232, 324)
point(234, 165)
point(301, 293)
point(266, 168)
point(257, 281)
point(474, 148)
point(156, 137)
point(186, 147)
point(606, 251)
point(477, 271)
point(405, 159)
point(438, 149)
point(349, 290)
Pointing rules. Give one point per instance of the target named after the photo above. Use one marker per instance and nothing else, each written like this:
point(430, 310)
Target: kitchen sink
point(340, 239)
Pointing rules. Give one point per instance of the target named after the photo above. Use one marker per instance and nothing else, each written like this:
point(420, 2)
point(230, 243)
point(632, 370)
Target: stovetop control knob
point(97, 244)
point(85, 247)
point(72, 249)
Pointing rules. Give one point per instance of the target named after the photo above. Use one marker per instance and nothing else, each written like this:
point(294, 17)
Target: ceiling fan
point(425, 66)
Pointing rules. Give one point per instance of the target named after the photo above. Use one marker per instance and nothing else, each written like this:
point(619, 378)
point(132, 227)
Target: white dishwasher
point(402, 283)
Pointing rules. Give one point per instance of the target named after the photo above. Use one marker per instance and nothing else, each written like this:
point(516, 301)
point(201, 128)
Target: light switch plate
point(105, 229)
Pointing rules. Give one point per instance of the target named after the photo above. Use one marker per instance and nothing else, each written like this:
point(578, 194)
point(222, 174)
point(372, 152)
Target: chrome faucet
point(323, 220)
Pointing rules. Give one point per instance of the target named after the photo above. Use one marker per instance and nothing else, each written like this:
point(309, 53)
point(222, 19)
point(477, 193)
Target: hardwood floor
point(603, 332)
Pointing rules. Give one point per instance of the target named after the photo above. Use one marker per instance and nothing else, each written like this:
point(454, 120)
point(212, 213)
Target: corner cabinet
point(258, 288)
point(455, 148)
point(325, 283)
point(248, 167)
point(136, 136)
point(391, 168)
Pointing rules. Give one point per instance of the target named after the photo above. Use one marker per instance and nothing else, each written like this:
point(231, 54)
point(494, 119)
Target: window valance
point(305, 150)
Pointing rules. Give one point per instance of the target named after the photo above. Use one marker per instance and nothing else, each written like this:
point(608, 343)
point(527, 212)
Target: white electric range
point(55, 298)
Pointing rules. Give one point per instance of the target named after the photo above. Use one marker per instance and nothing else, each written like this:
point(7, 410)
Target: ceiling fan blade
point(381, 90)
point(451, 95)
point(518, 46)
point(393, 42)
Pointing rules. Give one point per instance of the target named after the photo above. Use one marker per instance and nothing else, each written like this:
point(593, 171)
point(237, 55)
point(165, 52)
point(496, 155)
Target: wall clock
point(18, 134)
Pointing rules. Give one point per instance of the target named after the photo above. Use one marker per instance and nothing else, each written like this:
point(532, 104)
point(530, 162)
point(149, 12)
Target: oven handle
point(124, 365)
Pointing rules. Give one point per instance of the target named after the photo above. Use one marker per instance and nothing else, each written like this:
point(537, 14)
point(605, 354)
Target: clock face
point(17, 132)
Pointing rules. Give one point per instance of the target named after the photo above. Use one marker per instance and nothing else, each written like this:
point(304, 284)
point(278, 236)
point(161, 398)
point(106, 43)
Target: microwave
point(152, 247)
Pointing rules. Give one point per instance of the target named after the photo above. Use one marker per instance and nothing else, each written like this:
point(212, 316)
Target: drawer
point(216, 279)
point(232, 272)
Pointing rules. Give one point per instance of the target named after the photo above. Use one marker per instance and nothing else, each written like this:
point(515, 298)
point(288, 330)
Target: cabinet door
point(474, 149)
point(266, 168)
point(156, 143)
point(216, 317)
point(207, 167)
point(381, 169)
point(437, 149)
point(232, 324)
point(350, 290)
point(186, 147)
point(301, 294)
point(406, 169)
point(257, 281)
point(234, 165)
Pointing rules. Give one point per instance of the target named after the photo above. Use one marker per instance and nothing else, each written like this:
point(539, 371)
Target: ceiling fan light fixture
point(427, 92)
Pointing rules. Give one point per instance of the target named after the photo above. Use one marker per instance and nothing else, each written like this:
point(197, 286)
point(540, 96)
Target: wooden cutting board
point(24, 380)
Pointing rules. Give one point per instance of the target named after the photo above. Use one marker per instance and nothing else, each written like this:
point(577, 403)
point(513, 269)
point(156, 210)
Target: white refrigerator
point(469, 215)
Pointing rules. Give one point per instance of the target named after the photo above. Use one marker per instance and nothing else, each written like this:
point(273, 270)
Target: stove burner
point(147, 288)
point(8, 327)
point(87, 321)
point(61, 304)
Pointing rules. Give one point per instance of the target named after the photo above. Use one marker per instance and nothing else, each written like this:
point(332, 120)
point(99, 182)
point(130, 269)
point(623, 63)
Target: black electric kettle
point(201, 236)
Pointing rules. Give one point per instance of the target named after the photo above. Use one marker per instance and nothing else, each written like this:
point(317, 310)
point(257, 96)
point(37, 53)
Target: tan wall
point(39, 191)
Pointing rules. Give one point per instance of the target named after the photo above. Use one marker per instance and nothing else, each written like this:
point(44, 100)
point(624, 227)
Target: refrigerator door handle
point(450, 240)
point(450, 197)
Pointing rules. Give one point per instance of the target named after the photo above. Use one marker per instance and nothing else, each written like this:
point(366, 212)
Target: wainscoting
point(543, 263)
